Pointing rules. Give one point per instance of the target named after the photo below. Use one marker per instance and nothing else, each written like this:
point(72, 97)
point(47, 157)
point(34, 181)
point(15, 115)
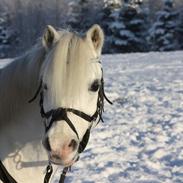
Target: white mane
point(18, 82)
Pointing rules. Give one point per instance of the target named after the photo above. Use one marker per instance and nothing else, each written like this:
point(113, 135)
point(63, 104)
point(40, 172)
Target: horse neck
point(18, 82)
point(21, 129)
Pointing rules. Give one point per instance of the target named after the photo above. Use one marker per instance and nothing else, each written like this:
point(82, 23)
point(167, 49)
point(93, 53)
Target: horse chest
point(22, 153)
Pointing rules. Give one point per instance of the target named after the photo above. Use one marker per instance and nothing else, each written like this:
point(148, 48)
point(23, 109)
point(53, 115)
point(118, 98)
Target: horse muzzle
point(65, 155)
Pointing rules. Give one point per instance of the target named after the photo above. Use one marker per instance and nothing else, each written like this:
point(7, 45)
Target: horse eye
point(95, 86)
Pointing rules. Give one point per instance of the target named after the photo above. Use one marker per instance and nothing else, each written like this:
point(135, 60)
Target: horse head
point(71, 91)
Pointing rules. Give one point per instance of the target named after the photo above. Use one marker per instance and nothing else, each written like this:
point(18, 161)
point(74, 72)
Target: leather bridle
point(61, 114)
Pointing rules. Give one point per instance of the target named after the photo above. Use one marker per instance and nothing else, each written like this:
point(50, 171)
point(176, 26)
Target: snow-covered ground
point(141, 140)
point(4, 62)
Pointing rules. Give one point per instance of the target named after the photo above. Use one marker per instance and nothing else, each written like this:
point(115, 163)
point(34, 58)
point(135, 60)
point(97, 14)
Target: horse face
point(71, 78)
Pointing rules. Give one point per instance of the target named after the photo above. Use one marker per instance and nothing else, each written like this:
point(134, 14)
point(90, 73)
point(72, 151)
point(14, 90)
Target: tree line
point(129, 25)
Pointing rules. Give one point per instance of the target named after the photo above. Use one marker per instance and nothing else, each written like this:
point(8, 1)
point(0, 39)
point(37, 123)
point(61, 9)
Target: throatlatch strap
point(4, 175)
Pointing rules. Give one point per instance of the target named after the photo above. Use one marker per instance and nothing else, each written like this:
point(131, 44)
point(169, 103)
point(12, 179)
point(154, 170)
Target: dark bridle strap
point(61, 114)
point(49, 171)
point(103, 92)
point(83, 115)
point(74, 111)
point(63, 175)
point(84, 141)
point(5, 177)
point(37, 92)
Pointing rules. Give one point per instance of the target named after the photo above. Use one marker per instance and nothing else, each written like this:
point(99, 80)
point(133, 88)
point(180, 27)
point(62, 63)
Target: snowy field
point(141, 140)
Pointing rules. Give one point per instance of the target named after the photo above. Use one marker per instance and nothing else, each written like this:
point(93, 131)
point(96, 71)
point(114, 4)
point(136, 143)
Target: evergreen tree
point(135, 20)
point(163, 32)
point(110, 24)
point(80, 15)
point(8, 37)
point(84, 16)
point(74, 13)
point(180, 29)
point(128, 29)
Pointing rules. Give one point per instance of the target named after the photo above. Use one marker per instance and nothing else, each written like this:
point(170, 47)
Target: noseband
point(61, 114)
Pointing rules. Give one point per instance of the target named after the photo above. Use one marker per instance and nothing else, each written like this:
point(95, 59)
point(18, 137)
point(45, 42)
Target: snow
point(117, 25)
point(4, 62)
point(141, 140)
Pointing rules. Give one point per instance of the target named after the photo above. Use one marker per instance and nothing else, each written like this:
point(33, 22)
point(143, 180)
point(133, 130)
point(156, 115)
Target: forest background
point(129, 25)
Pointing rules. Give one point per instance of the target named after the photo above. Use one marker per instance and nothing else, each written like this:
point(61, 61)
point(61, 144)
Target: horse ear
point(96, 35)
point(50, 36)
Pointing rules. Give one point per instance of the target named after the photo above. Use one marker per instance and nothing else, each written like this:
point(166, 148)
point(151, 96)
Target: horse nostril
point(47, 144)
point(55, 156)
point(73, 144)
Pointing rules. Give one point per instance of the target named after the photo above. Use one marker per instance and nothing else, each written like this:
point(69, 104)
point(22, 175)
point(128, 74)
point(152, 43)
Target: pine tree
point(128, 29)
point(180, 29)
point(163, 32)
point(111, 25)
point(115, 26)
point(7, 36)
point(74, 13)
point(135, 20)
point(84, 16)
point(79, 16)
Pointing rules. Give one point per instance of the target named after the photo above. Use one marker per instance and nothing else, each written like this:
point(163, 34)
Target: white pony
point(68, 68)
